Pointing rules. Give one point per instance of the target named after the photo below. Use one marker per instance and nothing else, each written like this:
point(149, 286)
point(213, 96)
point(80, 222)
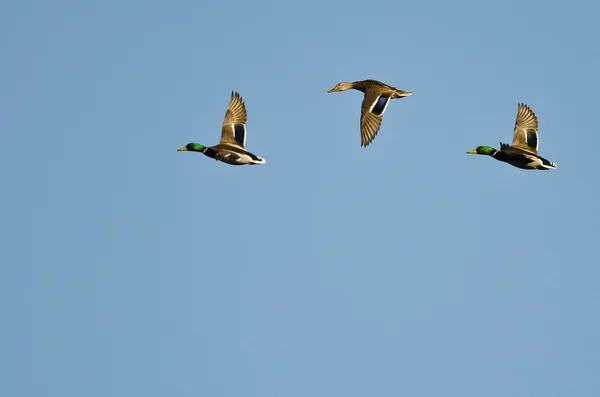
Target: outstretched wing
point(526, 130)
point(234, 125)
point(373, 107)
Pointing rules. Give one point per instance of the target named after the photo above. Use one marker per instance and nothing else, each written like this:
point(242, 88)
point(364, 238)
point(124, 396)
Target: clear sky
point(408, 268)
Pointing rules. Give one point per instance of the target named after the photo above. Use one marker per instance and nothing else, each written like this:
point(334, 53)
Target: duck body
point(384, 90)
point(232, 147)
point(523, 153)
point(522, 159)
point(227, 154)
point(375, 102)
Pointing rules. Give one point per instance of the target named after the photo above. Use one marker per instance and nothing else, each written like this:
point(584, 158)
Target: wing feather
point(372, 110)
point(233, 131)
point(526, 130)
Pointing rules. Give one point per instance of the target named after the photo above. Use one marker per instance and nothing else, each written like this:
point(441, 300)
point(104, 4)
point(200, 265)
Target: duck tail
point(547, 165)
point(258, 160)
point(401, 94)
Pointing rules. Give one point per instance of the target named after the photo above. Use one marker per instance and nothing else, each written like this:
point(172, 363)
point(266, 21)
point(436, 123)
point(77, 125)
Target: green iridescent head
point(192, 147)
point(486, 150)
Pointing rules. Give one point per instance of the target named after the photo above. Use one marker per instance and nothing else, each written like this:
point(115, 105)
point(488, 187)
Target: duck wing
point(373, 107)
point(233, 132)
point(526, 130)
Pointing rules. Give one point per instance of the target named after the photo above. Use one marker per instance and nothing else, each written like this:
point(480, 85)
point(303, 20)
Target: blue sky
point(406, 268)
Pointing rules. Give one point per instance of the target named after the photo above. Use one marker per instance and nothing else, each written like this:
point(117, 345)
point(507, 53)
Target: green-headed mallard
point(231, 149)
point(377, 96)
point(523, 151)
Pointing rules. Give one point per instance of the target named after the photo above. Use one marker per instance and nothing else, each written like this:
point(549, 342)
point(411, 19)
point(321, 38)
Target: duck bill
point(331, 90)
point(472, 151)
point(182, 149)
